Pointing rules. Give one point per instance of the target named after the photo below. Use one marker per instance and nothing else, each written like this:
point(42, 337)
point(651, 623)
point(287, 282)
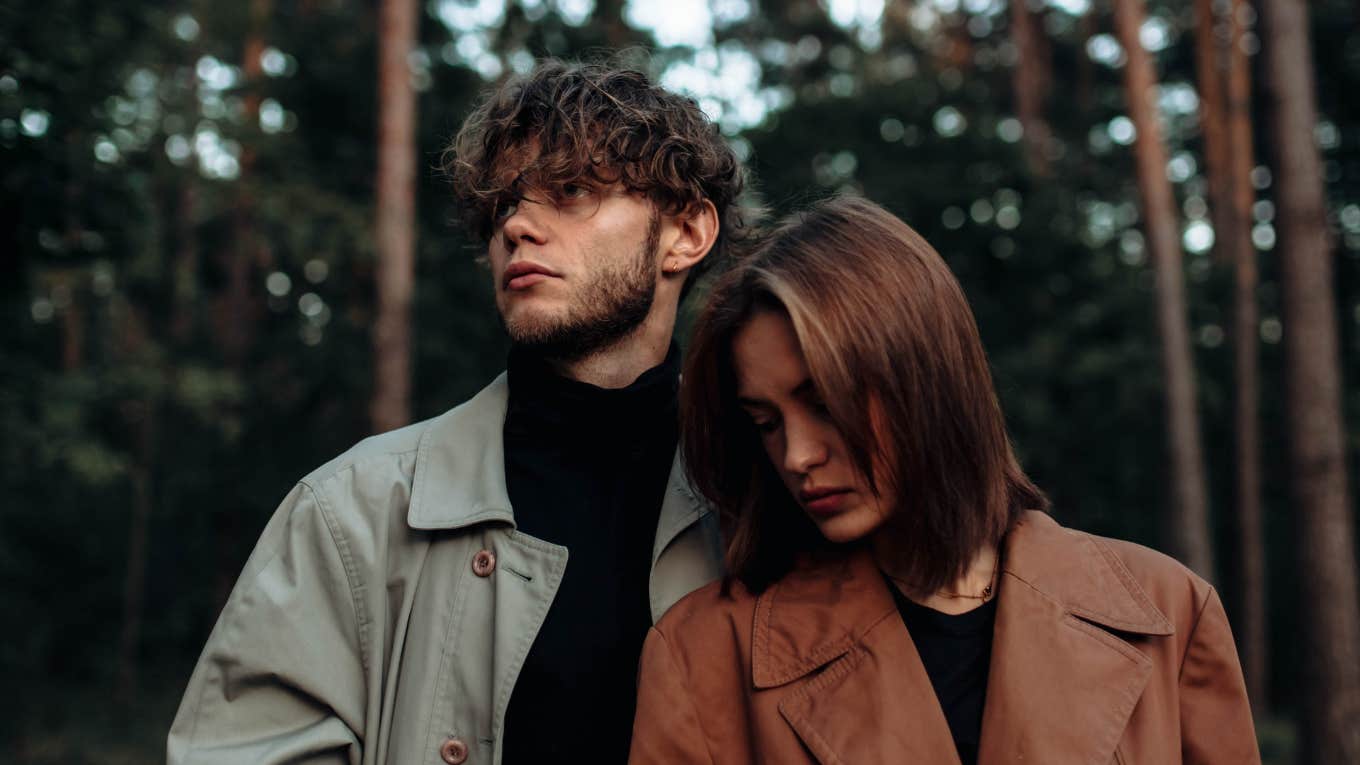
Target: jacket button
point(483, 563)
point(454, 751)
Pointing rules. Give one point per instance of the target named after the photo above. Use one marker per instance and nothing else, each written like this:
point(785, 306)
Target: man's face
point(575, 272)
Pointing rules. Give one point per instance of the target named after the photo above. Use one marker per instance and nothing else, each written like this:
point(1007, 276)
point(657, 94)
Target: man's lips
point(524, 274)
point(825, 500)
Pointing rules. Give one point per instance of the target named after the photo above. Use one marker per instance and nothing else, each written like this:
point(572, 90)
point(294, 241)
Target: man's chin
point(531, 325)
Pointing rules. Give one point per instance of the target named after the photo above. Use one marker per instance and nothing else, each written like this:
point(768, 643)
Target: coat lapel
point(842, 620)
point(854, 711)
point(1062, 684)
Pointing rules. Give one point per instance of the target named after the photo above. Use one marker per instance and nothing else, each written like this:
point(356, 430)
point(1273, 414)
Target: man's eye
point(574, 190)
point(506, 209)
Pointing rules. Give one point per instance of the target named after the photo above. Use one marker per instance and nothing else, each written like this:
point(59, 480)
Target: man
point(476, 588)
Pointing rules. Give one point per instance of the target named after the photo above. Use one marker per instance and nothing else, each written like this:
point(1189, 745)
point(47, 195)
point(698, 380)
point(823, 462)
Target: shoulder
point(391, 456)
point(1166, 584)
point(373, 454)
point(709, 613)
point(1177, 591)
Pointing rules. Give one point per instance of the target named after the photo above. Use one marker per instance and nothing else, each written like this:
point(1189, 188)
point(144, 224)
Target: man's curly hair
point(594, 125)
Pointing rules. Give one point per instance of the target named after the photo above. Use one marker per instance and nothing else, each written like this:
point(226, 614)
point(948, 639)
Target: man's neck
point(618, 365)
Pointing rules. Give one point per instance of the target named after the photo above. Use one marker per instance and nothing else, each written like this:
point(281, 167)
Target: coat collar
point(460, 472)
point(1061, 685)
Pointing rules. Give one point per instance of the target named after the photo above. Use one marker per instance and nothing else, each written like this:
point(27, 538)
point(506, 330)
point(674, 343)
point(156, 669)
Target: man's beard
point(614, 304)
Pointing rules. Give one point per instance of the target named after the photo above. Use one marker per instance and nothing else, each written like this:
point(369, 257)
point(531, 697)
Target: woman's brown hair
point(892, 348)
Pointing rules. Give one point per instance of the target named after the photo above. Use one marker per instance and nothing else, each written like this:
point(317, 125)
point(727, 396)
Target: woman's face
point(807, 451)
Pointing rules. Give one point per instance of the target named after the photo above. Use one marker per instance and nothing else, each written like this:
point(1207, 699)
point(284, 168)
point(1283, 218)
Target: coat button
point(454, 751)
point(483, 563)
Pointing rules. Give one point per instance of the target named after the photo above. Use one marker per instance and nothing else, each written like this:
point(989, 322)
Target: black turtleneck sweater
point(586, 468)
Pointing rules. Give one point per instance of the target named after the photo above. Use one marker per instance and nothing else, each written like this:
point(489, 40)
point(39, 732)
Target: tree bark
point(1236, 237)
point(237, 310)
point(1330, 692)
point(1030, 83)
point(140, 416)
point(609, 13)
point(395, 217)
point(1209, 72)
point(1188, 520)
point(184, 269)
point(1225, 122)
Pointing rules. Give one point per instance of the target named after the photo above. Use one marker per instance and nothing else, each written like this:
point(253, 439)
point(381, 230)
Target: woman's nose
point(805, 447)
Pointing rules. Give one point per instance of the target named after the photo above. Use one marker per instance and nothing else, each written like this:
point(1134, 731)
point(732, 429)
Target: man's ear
point(697, 229)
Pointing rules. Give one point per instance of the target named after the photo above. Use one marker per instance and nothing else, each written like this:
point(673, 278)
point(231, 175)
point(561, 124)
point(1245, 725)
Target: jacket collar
point(1061, 687)
point(817, 613)
point(460, 472)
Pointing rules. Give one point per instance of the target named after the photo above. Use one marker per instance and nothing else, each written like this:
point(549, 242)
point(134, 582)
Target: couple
point(480, 587)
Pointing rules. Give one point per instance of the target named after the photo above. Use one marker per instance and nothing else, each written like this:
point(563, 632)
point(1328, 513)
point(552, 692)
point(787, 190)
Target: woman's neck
point(977, 586)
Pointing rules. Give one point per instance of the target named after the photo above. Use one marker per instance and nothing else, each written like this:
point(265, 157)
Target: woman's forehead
point(766, 357)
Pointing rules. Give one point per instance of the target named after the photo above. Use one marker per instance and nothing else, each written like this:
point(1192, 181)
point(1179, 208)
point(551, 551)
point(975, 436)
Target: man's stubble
point(614, 303)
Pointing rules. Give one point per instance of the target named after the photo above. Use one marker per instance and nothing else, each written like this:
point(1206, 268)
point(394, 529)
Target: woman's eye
point(574, 191)
point(766, 426)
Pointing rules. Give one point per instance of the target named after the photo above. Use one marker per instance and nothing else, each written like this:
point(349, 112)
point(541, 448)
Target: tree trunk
point(237, 309)
point(139, 416)
point(1236, 237)
point(1188, 521)
point(609, 13)
point(134, 576)
point(1330, 692)
point(1225, 121)
point(72, 328)
point(395, 217)
point(1030, 83)
point(1209, 72)
point(184, 269)
point(1086, 74)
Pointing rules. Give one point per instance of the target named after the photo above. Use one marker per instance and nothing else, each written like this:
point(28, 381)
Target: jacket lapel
point(857, 709)
point(1062, 684)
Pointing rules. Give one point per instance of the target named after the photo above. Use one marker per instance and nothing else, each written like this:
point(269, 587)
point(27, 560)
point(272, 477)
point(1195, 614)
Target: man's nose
point(523, 226)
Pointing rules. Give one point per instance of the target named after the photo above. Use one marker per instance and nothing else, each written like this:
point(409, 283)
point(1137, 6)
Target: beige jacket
point(1103, 652)
point(389, 604)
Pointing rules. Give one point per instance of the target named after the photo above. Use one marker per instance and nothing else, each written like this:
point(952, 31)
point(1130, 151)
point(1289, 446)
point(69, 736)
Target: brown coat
point(1103, 652)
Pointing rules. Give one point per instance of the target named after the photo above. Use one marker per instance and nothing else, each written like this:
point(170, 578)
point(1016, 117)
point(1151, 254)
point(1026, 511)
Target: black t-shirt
point(956, 651)
point(586, 468)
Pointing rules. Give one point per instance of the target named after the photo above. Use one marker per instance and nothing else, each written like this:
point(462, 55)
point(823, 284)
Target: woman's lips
point(825, 501)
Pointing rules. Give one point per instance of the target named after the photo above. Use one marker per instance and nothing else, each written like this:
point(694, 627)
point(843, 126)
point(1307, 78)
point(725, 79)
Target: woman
point(896, 594)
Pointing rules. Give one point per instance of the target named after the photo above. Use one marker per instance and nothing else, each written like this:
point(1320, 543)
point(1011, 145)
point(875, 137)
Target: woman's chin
point(846, 527)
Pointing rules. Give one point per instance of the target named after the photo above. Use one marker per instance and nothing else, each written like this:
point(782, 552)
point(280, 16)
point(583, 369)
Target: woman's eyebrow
point(804, 388)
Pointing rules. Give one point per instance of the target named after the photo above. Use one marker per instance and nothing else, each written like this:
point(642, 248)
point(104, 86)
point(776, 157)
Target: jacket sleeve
point(666, 728)
point(282, 675)
point(1216, 722)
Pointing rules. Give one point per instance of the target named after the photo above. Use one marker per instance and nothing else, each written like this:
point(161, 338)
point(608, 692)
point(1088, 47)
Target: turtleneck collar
point(543, 402)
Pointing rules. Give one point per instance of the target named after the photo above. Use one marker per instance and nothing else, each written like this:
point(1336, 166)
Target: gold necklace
point(986, 591)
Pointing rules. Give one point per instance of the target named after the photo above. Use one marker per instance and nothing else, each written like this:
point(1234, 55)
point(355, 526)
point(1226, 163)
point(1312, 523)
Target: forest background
point(228, 256)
